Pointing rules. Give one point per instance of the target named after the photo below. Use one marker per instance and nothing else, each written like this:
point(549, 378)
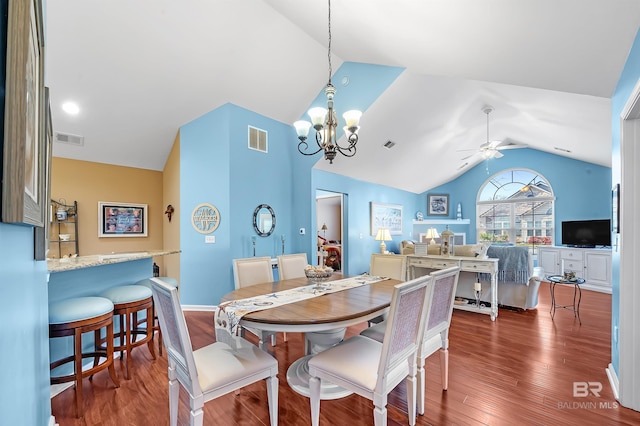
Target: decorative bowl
point(318, 274)
point(64, 237)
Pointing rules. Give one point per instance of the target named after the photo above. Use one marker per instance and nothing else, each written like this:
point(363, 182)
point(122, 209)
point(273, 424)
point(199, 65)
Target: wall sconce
point(169, 211)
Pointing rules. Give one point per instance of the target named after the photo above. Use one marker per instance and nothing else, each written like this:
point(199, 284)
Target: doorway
point(330, 229)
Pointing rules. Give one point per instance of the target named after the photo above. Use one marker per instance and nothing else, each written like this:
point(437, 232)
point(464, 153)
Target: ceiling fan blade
point(510, 144)
point(497, 154)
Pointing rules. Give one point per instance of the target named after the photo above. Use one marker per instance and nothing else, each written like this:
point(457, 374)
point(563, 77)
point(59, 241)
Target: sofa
point(518, 280)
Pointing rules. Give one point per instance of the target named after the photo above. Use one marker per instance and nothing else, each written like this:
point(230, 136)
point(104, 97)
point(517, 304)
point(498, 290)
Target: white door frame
point(629, 245)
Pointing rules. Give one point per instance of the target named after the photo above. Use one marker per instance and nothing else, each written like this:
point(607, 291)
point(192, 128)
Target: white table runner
point(228, 314)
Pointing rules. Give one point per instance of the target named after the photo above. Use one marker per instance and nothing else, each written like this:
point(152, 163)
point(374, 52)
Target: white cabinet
point(597, 267)
point(549, 260)
point(594, 265)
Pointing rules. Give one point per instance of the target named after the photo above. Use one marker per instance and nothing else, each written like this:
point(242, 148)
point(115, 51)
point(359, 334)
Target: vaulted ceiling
point(141, 69)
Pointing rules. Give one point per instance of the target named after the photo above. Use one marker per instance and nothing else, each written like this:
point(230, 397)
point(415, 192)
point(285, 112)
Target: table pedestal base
point(298, 373)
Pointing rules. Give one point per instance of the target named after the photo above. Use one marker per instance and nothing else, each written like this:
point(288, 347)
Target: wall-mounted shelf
point(442, 222)
point(68, 225)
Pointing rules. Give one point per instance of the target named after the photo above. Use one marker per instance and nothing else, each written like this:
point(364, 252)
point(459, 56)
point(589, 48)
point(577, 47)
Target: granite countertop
point(79, 262)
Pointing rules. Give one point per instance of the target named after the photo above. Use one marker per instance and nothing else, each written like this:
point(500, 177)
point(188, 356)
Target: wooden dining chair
point(250, 271)
point(436, 331)
point(212, 371)
point(390, 266)
point(292, 265)
point(373, 369)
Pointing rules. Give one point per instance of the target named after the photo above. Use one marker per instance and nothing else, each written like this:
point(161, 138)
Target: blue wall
point(582, 190)
point(24, 341)
point(628, 79)
point(218, 168)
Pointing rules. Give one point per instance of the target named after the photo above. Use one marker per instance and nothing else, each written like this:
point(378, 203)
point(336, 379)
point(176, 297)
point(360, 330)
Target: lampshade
point(324, 227)
point(432, 233)
point(383, 235)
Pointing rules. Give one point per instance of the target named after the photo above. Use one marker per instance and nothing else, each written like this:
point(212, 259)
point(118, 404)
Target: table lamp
point(383, 235)
point(433, 234)
point(324, 230)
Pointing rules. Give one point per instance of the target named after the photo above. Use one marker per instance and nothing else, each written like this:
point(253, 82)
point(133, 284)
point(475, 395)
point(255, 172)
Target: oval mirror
point(264, 220)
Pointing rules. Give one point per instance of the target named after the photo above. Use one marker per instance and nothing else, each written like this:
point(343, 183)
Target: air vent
point(389, 144)
point(69, 139)
point(258, 139)
point(561, 149)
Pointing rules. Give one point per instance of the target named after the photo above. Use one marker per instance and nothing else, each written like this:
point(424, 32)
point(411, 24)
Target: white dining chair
point(250, 271)
point(436, 332)
point(211, 371)
point(373, 369)
point(390, 266)
point(292, 265)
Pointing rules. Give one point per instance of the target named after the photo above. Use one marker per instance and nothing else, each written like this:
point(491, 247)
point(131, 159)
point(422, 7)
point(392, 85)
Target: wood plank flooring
point(519, 369)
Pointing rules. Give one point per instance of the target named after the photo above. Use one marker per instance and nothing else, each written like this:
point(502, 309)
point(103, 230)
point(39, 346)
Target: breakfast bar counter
point(78, 262)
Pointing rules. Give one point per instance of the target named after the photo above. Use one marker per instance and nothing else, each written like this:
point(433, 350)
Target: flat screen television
point(586, 233)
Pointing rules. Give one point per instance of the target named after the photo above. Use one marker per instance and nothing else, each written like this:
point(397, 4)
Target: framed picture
point(122, 219)
point(615, 209)
point(438, 205)
point(41, 233)
point(24, 173)
point(386, 216)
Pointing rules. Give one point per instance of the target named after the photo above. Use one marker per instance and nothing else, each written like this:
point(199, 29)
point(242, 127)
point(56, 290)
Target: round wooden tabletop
point(333, 310)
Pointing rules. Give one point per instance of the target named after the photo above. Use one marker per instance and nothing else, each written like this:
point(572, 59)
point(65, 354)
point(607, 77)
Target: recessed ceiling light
point(71, 108)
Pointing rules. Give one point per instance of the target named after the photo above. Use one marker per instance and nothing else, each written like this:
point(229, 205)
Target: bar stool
point(73, 317)
point(156, 324)
point(128, 300)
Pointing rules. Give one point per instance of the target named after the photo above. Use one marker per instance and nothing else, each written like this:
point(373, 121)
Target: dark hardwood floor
point(519, 369)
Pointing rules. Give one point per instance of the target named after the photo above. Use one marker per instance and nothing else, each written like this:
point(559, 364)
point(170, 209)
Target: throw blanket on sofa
point(513, 263)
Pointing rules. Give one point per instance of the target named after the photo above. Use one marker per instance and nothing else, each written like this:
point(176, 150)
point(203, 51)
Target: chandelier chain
point(329, 51)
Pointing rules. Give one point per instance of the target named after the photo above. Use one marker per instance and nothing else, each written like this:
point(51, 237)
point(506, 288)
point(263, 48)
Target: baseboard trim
point(199, 308)
point(613, 381)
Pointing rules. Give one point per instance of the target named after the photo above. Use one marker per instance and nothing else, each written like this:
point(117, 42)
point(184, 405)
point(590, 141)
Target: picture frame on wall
point(24, 199)
point(386, 216)
point(438, 205)
point(122, 219)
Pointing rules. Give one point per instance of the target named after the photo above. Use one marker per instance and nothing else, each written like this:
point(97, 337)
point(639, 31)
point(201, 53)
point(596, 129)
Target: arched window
point(516, 206)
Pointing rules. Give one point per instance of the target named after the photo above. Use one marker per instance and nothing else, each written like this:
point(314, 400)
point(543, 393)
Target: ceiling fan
point(491, 149)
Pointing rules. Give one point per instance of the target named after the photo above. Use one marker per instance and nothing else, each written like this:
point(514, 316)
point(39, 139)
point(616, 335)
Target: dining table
point(323, 319)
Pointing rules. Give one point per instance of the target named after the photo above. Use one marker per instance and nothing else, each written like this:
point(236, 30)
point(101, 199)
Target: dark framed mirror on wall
point(264, 220)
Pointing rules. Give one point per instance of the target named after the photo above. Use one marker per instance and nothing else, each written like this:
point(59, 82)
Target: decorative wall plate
point(205, 218)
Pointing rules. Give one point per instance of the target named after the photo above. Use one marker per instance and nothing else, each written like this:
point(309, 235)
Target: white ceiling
point(141, 69)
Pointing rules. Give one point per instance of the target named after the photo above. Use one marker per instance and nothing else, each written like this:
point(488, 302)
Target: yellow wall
point(171, 195)
point(87, 183)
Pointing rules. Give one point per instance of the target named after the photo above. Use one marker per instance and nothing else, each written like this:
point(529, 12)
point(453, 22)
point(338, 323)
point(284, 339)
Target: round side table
point(577, 294)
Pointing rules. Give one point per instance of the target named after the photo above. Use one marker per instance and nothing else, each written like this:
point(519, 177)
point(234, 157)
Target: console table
point(467, 265)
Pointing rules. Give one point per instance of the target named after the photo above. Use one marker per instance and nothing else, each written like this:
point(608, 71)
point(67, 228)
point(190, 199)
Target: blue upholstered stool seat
point(156, 324)
point(78, 308)
point(128, 301)
point(72, 318)
point(126, 293)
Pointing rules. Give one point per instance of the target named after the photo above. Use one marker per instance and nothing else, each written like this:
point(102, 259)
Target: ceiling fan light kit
point(491, 149)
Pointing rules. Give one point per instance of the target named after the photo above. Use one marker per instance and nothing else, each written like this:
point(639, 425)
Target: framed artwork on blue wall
point(386, 216)
point(438, 205)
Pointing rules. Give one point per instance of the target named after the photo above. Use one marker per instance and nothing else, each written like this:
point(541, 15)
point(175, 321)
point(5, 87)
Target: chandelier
point(325, 123)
